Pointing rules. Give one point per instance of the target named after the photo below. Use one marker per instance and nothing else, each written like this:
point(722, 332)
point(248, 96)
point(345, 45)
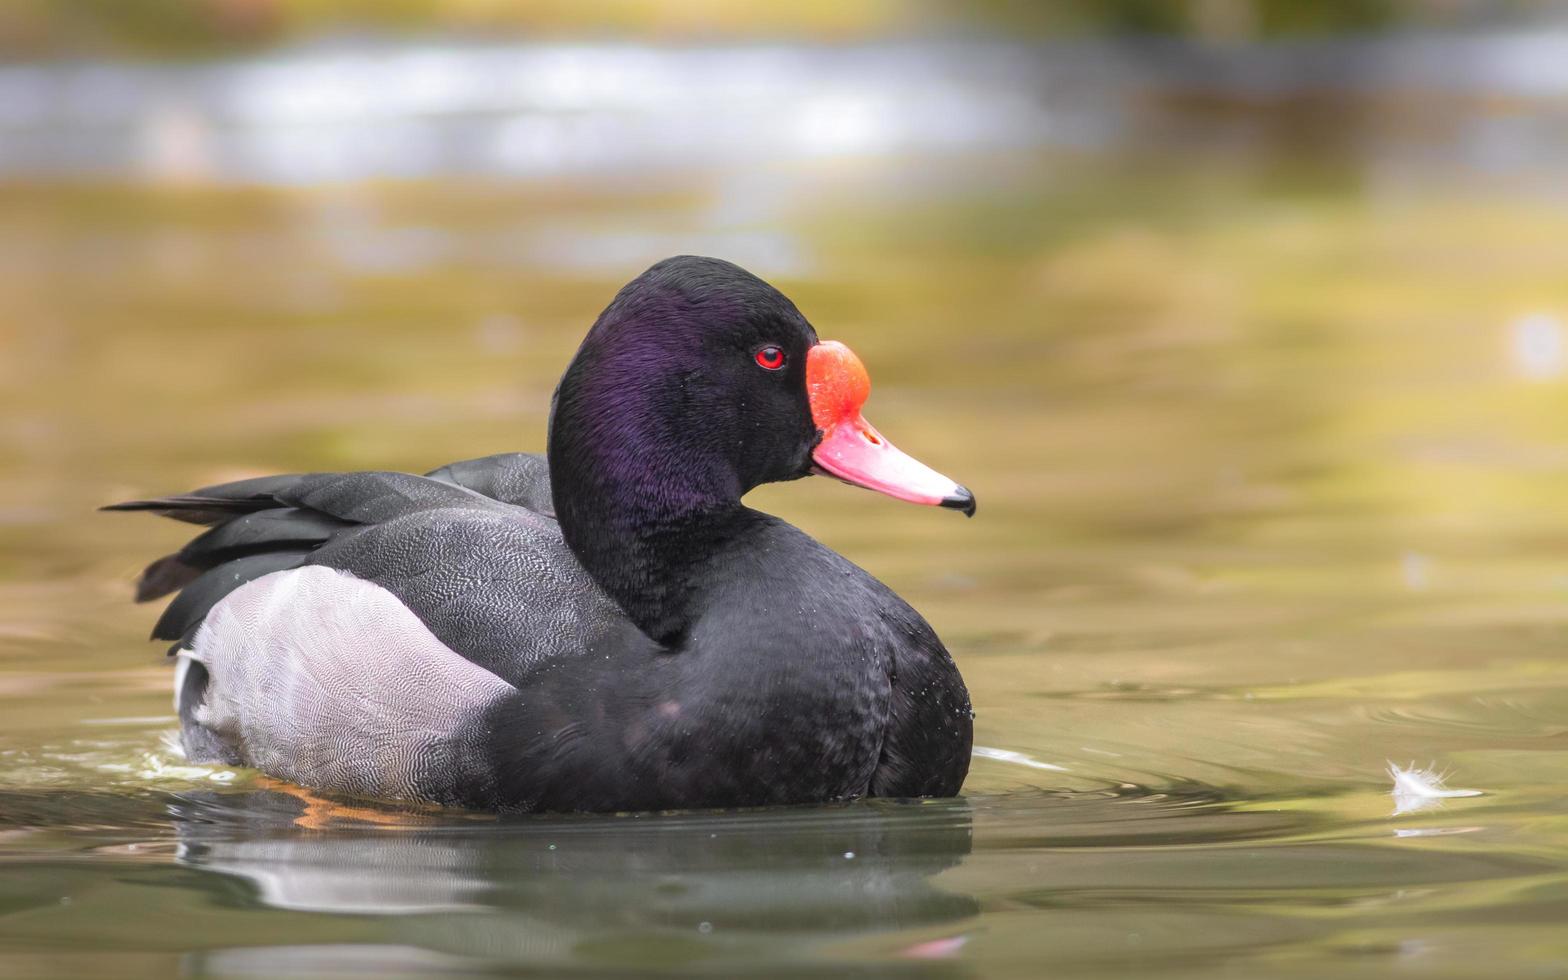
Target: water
point(1266, 435)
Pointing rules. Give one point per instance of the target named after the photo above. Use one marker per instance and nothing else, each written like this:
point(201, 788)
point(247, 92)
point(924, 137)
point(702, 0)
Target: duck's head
point(699, 382)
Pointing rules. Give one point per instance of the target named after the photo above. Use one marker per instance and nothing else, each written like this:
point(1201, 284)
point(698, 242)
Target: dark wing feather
point(248, 534)
point(263, 530)
point(522, 479)
point(374, 497)
point(215, 505)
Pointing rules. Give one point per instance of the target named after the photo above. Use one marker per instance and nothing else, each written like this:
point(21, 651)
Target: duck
point(604, 627)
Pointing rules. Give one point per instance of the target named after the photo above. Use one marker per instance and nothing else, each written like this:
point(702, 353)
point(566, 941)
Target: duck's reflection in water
point(565, 889)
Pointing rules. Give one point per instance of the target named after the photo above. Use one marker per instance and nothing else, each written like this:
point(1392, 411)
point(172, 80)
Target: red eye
point(771, 358)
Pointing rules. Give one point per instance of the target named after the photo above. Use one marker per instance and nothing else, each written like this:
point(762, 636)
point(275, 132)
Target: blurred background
point(1238, 272)
point(1245, 320)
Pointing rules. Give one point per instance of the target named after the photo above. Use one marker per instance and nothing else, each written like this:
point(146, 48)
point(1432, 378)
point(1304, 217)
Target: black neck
point(656, 573)
point(644, 523)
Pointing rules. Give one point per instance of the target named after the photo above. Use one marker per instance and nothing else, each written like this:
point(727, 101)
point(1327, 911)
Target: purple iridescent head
point(699, 382)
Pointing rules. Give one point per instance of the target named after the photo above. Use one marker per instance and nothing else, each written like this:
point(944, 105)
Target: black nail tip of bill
point(962, 500)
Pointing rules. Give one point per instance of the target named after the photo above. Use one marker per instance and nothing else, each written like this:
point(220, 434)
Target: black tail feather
point(262, 530)
point(167, 574)
point(192, 510)
point(216, 504)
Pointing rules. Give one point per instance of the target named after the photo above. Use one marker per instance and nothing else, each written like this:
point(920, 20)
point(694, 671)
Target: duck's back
point(522, 479)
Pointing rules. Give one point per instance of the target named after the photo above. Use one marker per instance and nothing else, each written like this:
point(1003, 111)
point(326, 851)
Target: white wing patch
point(324, 679)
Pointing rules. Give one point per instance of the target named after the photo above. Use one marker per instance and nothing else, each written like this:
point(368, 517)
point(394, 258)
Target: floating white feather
point(1415, 789)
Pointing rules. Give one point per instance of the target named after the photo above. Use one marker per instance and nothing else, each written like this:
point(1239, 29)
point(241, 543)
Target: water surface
point(1267, 434)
